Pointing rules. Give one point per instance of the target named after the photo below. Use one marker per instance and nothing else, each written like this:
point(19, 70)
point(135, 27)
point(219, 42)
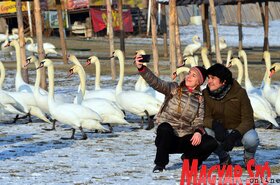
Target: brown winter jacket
point(183, 110)
point(234, 110)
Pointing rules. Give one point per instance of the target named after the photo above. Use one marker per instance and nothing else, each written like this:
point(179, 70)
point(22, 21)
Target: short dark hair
point(222, 72)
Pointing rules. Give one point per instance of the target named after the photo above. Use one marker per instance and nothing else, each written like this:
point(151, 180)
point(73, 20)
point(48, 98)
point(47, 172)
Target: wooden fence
point(226, 14)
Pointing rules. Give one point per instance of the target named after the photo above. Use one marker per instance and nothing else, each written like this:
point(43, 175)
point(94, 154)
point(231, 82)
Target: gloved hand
point(230, 140)
point(219, 130)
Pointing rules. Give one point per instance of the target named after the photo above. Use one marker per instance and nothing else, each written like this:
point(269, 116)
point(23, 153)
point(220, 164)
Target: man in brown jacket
point(180, 119)
point(229, 114)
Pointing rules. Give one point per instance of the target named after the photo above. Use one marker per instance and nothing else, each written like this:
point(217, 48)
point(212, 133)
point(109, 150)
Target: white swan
point(138, 103)
point(262, 109)
point(222, 44)
point(191, 60)
point(248, 84)
point(109, 94)
point(21, 85)
point(237, 62)
point(8, 103)
point(33, 47)
point(108, 110)
point(23, 102)
point(269, 92)
point(192, 48)
point(76, 115)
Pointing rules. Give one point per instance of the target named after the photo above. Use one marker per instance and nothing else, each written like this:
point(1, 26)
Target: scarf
point(220, 93)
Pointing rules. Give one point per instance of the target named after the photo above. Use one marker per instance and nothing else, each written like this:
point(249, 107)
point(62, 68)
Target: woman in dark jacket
point(180, 119)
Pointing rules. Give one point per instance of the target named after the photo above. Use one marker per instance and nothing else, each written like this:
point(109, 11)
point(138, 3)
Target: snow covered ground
point(31, 155)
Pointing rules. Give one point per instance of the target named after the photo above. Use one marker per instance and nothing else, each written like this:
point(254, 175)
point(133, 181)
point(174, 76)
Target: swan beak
point(272, 72)
point(182, 65)
point(27, 62)
point(87, 63)
point(174, 75)
point(111, 57)
point(70, 73)
point(229, 65)
point(40, 66)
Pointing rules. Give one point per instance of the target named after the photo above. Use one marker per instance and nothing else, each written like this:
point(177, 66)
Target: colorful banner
point(99, 20)
point(74, 4)
point(10, 7)
point(97, 2)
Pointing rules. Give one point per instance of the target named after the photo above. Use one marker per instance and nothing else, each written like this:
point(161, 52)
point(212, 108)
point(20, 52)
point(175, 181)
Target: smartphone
point(146, 58)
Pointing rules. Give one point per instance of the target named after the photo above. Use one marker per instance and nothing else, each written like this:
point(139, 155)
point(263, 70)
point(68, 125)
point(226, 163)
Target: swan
point(262, 109)
point(269, 92)
point(275, 68)
point(222, 44)
point(21, 85)
point(109, 94)
point(138, 103)
point(76, 115)
point(23, 102)
point(8, 103)
point(180, 70)
point(42, 99)
point(248, 84)
point(33, 47)
point(108, 110)
point(192, 48)
point(191, 60)
point(237, 62)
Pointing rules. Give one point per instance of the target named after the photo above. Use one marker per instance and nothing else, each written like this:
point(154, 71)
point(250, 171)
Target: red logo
point(226, 174)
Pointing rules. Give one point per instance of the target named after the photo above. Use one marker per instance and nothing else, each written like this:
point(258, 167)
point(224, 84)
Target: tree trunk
point(41, 54)
point(111, 38)
point(266, 43)
point(178, 45)
point(239, 20)
point(122, 32)
point(215, 29)
point(172, 41)
point(61, 31)
point(164, 30)
point(206, 29)
point(21, 40)
point(154, 36)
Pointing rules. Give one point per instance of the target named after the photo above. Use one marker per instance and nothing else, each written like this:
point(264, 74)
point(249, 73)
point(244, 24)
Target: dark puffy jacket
point(182, 109)
point(234, 110)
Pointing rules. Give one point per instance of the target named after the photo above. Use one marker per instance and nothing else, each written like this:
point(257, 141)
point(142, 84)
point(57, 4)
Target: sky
point(31, 155)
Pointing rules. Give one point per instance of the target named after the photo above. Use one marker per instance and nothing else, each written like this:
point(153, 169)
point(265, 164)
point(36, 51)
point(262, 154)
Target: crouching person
point(180, 119)
point(229, 115)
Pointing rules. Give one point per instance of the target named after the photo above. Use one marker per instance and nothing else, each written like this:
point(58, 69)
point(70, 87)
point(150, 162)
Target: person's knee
point(250, 139)
point(164, 128)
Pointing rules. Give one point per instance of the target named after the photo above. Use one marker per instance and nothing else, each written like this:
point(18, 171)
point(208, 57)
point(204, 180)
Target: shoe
point(225, 161)
point(158, 169)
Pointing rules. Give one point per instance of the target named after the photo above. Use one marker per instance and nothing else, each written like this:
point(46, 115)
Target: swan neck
point(38, 76)
point(121, 77)
point(205, 60)
point(268, 66)
point(51, 83)
point(240, 72)
point(97, 75)
point(2, 76)
point(18, 58)
point(82, 76)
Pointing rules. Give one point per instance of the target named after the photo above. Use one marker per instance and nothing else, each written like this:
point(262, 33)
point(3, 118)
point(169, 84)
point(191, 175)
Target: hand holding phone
point(146, 58)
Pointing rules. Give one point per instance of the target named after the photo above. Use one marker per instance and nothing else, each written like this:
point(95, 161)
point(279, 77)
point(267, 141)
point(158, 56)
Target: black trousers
point(168, 143)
